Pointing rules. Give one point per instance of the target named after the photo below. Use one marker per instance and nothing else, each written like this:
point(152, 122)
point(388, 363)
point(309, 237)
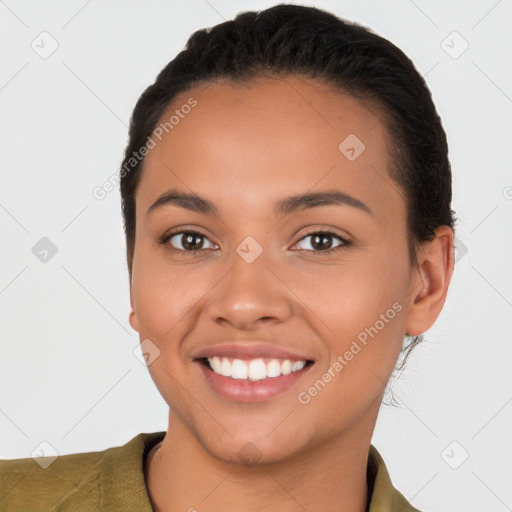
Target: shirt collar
point(384, 496)
point(122, 482)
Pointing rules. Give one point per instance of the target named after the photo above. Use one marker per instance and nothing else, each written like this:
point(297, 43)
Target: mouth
point(251, 380)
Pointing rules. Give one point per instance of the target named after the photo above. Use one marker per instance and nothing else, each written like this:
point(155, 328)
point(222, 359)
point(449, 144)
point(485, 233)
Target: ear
point(430, 281)
point(134, 322)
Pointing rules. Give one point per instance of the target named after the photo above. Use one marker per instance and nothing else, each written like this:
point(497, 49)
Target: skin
point(246, 147)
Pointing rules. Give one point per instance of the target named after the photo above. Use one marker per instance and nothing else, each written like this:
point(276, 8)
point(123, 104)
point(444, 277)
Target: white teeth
point(298, 365)
point(215, 364)
point(256, 369)
point(273, 368)
point(239, 369)
point(286, 367)
point(225, 367)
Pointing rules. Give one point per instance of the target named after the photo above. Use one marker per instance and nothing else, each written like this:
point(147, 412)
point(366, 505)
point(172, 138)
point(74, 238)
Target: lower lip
point(251, 391)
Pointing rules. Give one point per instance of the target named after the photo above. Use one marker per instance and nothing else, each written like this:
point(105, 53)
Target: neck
point(331, 476)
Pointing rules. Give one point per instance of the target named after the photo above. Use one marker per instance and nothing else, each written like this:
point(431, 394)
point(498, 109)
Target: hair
point(298, 40)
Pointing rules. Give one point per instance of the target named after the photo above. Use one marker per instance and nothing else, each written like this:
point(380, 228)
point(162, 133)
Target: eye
point(320, 239)
point(191, 241)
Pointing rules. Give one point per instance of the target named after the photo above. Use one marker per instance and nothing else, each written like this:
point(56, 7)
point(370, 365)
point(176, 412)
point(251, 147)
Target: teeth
point(225, 367)
point(273, 368)
point(286, 367)
point(298, 365)
point(239, 369)
point(256, 369)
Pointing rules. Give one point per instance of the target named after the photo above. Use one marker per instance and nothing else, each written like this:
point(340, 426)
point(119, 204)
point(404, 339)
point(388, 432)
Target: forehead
point(262, 140)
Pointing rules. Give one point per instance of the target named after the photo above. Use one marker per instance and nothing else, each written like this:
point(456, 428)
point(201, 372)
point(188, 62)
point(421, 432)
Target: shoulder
point(44, 483)
point(79, 481)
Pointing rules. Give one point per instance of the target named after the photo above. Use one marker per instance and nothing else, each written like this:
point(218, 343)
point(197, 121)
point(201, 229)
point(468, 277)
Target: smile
point(251, 380)
point(254, 369)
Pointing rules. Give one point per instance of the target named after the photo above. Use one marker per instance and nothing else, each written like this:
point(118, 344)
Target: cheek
point(353, 295)
point(164, 304)
point(163, 294)
point(163, 299)
point(365, 316)
point(364, 308)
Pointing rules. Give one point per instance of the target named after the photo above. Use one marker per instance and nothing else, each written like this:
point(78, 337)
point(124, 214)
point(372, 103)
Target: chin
point(249, 454)
point(254, 448)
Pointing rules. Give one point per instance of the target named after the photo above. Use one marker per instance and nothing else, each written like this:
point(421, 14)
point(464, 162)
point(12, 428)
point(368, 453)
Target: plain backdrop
point(70, 74)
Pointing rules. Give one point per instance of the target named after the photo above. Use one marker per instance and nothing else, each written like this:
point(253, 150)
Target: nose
point(250, 294)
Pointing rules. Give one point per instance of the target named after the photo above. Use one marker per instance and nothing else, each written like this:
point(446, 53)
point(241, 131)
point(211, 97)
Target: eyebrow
point(286, 206)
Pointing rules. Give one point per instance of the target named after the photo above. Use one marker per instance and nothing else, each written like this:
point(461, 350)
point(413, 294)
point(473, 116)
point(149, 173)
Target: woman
point(286, 195)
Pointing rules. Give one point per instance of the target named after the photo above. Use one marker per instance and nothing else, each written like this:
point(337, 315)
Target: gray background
point(69, 375)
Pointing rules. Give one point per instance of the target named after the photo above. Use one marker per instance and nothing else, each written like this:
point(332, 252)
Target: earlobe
point(430, 286)
point(132, 317)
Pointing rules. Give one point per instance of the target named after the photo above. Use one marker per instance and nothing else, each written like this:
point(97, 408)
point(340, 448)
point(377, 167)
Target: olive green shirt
point(113, 480)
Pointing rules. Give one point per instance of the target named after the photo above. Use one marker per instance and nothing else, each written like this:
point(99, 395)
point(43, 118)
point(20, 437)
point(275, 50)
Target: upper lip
point(252, 350)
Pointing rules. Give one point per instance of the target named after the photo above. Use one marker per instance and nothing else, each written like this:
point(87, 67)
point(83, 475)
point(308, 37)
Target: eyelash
point(344, 245)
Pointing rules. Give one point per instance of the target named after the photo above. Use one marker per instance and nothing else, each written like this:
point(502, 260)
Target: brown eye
point(186, 241)
point(322, 242)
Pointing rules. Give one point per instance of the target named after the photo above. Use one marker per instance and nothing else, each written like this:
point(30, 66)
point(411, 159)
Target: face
point(324, 280)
